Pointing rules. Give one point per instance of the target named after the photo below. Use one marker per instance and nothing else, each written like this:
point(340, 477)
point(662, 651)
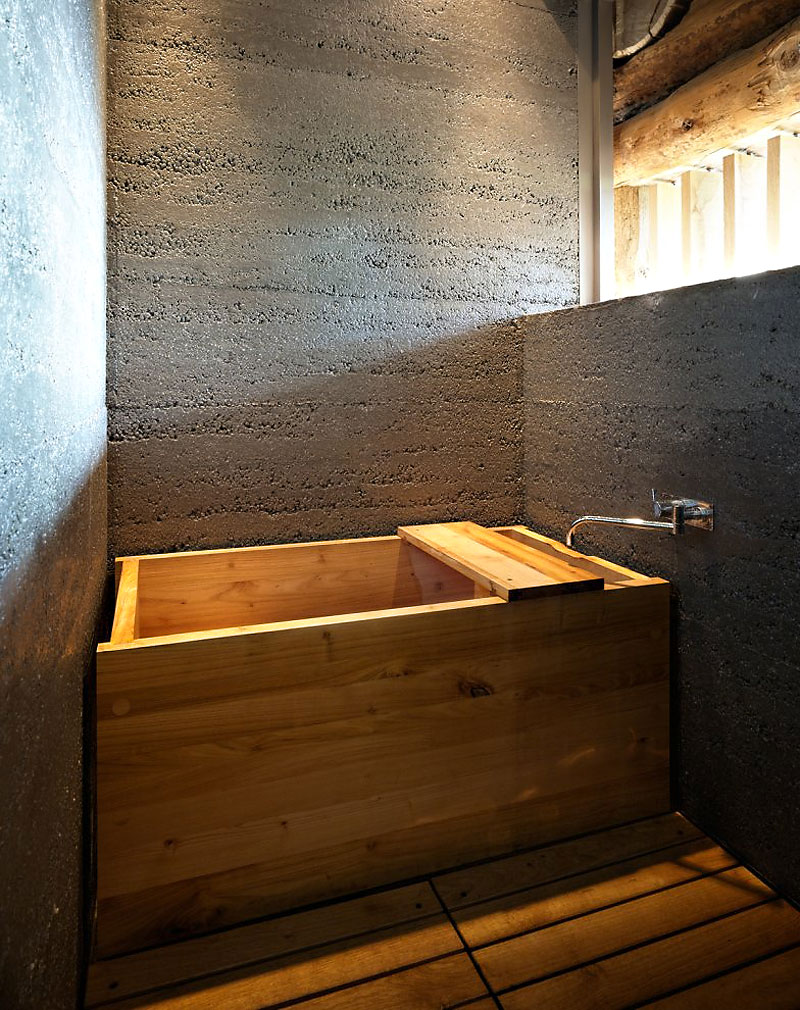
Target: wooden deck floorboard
point(647, 914)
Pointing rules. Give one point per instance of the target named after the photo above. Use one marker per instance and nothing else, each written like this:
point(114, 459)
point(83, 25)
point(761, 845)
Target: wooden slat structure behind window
point(745, 180)
point(783, 199)
point(738, 214)
point(702, 215)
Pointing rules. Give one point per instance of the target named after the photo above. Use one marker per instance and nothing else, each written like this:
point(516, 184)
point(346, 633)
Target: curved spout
point(646, 524)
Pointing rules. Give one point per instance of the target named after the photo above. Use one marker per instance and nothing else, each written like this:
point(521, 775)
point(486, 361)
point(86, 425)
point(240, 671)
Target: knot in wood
point(475, 689)
point(790, 58)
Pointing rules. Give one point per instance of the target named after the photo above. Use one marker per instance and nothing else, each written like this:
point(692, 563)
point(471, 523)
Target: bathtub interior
point(182, 593)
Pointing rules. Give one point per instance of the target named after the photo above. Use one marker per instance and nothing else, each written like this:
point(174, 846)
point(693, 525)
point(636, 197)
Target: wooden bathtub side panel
point(159, 914)
point(289, 767)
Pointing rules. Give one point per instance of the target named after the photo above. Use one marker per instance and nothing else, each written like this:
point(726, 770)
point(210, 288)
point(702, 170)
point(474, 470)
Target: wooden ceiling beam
point(711, 31)
point(749, 91)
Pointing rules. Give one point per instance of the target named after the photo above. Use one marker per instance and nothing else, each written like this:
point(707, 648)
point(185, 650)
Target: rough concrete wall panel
point(52, 479)
point(697, 392)
point(320, 216)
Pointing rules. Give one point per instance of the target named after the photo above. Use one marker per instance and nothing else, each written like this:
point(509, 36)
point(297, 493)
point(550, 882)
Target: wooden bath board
point(507, 568)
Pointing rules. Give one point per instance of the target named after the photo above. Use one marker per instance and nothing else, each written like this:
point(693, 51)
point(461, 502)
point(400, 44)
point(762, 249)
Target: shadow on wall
point(431, 434)
point(559, 9)
point(696, 392)
point(50, 607)
point(314, 211)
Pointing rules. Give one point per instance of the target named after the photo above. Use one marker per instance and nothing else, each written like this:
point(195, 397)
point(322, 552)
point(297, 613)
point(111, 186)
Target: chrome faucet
point(682, 512)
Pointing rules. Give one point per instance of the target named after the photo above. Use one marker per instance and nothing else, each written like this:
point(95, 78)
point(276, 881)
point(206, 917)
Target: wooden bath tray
point(507, 568)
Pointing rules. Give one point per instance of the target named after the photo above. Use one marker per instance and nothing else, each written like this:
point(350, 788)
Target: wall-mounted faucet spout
point(682, 512)
point(644, 524)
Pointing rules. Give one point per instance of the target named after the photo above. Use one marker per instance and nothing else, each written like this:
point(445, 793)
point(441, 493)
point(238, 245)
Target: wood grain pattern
point(279, 937)
point(673, 926)
point(529, 870)
point(749, 91)
point(492, 561)
point(525, 911)
point(183, 760)
point(438, 985)
point(610, 572)
point(450, 981)
point(126, 610)
point(563, 946)
point(260, 585)
point(648, 972)
point(711, 31)
point(773, 984)
point(198, 904)
point(279, 980)
point(631, 238)
point(550, 563)
point(243, 773)
point(244, 812)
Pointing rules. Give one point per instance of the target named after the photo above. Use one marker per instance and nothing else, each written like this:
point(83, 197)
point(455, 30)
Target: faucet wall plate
point(693, 512)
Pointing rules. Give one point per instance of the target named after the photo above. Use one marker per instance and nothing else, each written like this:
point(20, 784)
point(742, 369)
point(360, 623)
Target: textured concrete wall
point(695, 392)
point(320, 214)
point(52, 478)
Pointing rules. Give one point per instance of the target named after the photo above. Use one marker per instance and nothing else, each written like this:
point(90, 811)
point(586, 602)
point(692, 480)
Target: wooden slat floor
point(648, 914)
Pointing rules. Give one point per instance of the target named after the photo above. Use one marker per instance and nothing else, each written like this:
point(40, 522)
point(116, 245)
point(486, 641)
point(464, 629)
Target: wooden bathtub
point(280, 725)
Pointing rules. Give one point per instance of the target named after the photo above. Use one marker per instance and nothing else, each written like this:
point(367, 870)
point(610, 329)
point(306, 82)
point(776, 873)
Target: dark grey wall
point(52, 478)
point(319, 212)
point(696, 392)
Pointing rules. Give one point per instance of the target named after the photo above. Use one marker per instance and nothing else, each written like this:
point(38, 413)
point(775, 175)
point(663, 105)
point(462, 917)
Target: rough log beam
point(747, 92)
point(711, 31)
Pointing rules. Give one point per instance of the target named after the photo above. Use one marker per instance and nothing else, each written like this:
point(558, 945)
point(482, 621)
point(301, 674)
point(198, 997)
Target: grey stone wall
point(320, 216)
point(52, 479)
point(695, 392)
